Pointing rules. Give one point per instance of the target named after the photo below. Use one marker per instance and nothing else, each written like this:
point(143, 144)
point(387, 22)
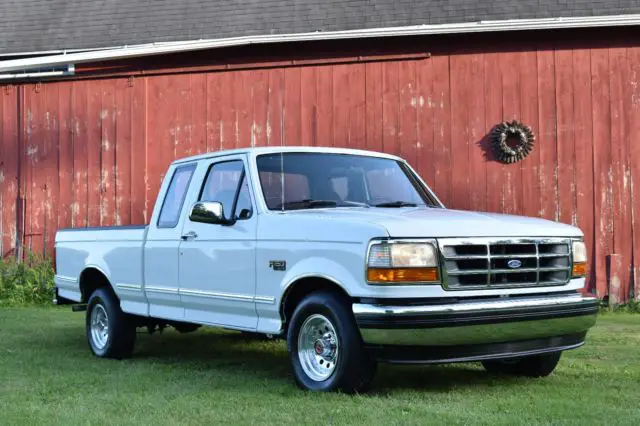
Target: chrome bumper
point(479, 322)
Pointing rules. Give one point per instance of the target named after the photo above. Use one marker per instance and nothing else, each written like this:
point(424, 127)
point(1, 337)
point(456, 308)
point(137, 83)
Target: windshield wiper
point(307, 204)
point(396, 204)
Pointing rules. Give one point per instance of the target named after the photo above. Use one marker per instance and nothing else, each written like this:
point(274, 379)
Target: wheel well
point(92, 279)
point(301, 288)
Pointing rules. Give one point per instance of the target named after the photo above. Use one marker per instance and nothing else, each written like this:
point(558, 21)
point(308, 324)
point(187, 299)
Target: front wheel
point(110, 332)
point(325, 346)
point(531, 366)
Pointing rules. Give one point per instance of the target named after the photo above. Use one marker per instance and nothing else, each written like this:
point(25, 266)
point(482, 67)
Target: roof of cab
point(252, 152)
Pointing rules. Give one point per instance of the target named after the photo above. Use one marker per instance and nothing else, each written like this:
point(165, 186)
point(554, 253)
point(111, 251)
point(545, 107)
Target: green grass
point(48, 376)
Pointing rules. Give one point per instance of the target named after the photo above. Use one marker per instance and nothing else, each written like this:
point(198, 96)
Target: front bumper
point(476, 329)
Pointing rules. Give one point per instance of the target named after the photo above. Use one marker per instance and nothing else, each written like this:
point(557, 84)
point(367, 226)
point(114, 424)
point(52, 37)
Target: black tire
point(185, 327)
point(121, 331)
point(354, 369)
point(531, 366)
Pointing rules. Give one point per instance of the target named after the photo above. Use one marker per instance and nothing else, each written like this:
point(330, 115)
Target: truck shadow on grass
point(261, 359)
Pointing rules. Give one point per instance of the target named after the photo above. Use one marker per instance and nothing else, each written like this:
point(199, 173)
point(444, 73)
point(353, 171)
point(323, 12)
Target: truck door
point(162, 245)
point(217, 262)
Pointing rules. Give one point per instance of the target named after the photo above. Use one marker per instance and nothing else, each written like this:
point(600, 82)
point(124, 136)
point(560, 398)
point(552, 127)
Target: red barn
point(98, 97)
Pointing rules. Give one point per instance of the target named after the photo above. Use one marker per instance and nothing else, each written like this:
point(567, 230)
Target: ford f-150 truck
point(345, 253)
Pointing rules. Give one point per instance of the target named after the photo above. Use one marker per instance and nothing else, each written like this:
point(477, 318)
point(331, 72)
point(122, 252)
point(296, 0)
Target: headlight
point(579, 268)
point(402, 262)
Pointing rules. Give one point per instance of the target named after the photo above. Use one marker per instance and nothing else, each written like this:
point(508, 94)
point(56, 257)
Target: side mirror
point(208, 212)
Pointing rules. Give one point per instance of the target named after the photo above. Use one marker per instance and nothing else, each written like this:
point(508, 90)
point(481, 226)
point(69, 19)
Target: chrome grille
point(480, 263)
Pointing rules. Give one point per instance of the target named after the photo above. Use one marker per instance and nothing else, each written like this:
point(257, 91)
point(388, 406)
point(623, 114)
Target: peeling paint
point(1, 176)
point(221, 126)
point(269, 127)
point(255, 131)
point(32, 151)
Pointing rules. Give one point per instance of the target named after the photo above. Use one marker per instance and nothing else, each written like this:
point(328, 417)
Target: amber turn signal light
point(579, 269)
point(402, 275)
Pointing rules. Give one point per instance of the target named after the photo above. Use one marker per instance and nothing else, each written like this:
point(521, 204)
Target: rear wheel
point(110, 332)
point(531, 366)
point(325, 346)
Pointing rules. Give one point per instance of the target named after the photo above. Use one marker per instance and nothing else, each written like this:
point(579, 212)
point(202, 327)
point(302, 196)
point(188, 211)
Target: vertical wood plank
point(475, 105)
point(50, 166)
point(492, 116)
point(108, 117)
point(373, 105)
point(425, 165)
point(620, 187)
point(79, 110)
point(123, 151)
point(512, 173)
point(529, 116)
point(308, 93)
point(407, 117)
point(547, 135)
point(34, 217)
point(564, 134)
point(584, 152)
point(460, 71)
point(275, 111)
point(227, 110)
point(357, 109)
point(24, 208)
point(214, 106)
point(260, 94)
point(390, 107)
point(181, 129)
point(341, 94)
point(601, 120)
point(94, 152)
point(3, 215)
point(442, 128)
point(244, 111)
point(140, 208)
point(65, 150)
point(633, 60)
point(196, 135)
point(9, 170)
point(161, 134)
point(292, 131)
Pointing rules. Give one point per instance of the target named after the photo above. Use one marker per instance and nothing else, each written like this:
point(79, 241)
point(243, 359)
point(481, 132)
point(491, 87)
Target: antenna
point(282, 181)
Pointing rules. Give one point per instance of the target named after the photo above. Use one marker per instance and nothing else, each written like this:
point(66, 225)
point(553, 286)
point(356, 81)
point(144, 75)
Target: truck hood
point(424, 222)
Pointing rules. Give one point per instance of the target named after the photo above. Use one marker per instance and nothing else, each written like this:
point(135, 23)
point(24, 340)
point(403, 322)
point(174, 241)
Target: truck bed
point(116, 251)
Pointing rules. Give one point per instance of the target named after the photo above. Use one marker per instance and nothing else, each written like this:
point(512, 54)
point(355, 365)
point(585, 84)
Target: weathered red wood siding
point(93, 152)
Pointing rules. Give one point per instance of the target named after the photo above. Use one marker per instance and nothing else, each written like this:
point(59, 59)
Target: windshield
point(293, 181)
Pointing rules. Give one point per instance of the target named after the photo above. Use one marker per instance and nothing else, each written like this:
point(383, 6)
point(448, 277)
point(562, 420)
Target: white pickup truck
point(347, 254)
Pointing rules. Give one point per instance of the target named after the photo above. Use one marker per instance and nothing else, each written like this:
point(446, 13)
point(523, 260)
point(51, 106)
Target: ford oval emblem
point(514, 264)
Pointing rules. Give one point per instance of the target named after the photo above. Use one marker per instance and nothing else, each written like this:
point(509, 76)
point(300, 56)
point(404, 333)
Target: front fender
point(318, 267)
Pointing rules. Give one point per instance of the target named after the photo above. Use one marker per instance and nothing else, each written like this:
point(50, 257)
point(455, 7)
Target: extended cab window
point(225, 180)
point(173, 200)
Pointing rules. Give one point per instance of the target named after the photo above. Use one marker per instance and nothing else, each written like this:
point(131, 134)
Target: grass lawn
point(48, 376)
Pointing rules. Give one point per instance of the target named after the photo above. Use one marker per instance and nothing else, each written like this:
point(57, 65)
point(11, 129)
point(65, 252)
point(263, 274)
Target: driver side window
point(221, 184)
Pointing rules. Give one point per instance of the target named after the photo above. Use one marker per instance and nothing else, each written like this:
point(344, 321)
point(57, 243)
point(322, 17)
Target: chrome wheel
point(99, 327)
point(318, 347)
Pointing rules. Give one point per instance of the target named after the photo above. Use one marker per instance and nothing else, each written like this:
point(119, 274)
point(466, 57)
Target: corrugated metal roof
point(49, 25)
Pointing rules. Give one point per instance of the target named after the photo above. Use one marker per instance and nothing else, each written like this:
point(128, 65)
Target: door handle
point(189, 236)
